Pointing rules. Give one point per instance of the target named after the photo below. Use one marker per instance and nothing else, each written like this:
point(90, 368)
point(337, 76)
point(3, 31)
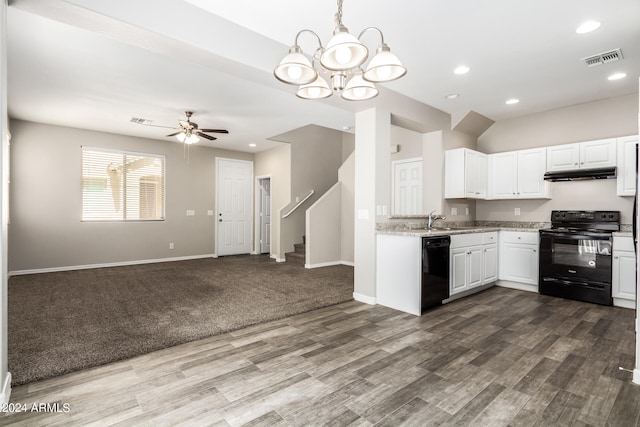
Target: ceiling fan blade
point(158, 126)
point(214, 130)
point(204, 135)
point(175, 133)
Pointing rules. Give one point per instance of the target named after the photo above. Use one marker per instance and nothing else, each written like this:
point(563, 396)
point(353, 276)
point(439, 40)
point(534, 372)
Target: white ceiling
point(94, 64)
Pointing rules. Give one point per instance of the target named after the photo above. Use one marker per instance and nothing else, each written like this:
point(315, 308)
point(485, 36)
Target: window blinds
point(122, 186)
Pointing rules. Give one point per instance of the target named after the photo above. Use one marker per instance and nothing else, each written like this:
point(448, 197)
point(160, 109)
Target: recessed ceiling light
point(462, 69)
point(252, 145)
point(452, 96)
point(512, 101)
point(587, 27)
point(617, 76)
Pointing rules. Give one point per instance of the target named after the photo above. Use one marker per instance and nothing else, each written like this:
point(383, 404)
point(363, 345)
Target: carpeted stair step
point(295, 257)
point(300, 248)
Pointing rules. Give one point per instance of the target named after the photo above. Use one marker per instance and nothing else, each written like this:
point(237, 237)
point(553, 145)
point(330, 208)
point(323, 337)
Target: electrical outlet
point(516, 211)
point(454, 211)
point(191, 212)
point(171, 246)
point(466, 210)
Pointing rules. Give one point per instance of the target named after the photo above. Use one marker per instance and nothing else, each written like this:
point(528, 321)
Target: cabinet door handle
point(534, 251)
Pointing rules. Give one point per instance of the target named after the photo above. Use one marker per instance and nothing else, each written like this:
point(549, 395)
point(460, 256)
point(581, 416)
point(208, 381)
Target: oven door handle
point(583, 235)
point(588, 285)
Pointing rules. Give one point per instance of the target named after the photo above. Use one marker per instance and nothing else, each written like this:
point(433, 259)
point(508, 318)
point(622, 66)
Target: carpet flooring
point(66, 321)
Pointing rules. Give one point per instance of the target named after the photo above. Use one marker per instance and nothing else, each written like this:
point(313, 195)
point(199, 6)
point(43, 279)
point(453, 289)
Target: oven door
point(581, 256)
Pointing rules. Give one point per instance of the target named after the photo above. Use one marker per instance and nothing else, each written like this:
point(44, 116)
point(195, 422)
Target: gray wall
point(594, 120)
point(316, 155)
point(276, 163)
point(46, 231)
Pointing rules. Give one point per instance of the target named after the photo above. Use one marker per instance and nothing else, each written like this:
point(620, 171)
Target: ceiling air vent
point(603, 58)
point(140, 121)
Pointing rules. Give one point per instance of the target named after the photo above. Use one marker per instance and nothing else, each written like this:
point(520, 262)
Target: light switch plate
point(191, 212)
point(516, 211)
point(454, 211)
point(210, 212)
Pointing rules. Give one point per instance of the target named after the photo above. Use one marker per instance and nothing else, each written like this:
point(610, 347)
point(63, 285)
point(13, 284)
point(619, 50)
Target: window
point(122, 186)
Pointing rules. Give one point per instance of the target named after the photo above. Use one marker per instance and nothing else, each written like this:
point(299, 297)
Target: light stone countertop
point(418, 232)
point(453, 230)
point(622, 234)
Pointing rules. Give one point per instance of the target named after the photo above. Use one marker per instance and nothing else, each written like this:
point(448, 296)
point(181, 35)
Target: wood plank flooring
point(499, 358)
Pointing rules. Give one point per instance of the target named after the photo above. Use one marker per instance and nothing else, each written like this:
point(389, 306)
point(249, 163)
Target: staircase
point(299, 254)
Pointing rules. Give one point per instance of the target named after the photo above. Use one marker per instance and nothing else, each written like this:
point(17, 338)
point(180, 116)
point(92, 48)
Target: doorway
point(263, 208)
point(234, 187)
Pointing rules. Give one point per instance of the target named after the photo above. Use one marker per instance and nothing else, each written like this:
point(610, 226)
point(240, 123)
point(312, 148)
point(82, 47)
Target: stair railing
point(291, 207)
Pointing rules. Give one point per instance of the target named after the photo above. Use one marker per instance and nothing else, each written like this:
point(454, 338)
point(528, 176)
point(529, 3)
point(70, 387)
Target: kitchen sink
point(451, 228)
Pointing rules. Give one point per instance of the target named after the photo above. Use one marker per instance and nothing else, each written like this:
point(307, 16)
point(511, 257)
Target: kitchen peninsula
point(473, 262)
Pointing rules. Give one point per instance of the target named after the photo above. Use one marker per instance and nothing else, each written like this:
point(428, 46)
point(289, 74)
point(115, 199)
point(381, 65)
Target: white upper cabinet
point(583, 155)
point(465, 174)
point(518, 175)
point(563, 157)
point(626, 173)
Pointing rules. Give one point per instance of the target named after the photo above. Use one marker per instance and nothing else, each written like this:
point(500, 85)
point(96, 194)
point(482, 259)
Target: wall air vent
point(603, 58)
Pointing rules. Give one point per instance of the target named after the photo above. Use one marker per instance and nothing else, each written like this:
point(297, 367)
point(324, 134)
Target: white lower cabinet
point(473, 261)
point(490, 263)
point(624, 272)
point(519, 257)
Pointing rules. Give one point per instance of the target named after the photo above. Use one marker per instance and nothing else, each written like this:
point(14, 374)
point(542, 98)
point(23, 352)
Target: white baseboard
point(5, 393)
point(108, 264)
point(519, 286)
point(636, 376)
point(279, 259)
point(364, 298)
point(624, 303)
point(328, 264)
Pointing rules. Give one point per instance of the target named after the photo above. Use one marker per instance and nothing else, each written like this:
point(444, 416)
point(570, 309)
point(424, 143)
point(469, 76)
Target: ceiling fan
point(188, 131)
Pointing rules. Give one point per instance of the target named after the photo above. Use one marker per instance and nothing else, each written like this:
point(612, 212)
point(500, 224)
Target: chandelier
point(342, 60)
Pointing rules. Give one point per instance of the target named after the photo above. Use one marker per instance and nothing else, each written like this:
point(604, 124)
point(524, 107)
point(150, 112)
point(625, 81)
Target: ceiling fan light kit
point(342, 60)
point(187, 139)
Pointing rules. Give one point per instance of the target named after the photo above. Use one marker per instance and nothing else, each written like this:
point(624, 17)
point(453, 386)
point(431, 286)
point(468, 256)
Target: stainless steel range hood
point(581, 174)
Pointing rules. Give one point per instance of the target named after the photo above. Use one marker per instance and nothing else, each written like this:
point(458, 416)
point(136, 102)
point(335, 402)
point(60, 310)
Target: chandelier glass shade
point(341, 61)
point(318, 89)
point(295, 68)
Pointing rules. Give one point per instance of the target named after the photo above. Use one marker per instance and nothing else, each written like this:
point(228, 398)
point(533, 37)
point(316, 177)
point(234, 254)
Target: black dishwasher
point(435, 270)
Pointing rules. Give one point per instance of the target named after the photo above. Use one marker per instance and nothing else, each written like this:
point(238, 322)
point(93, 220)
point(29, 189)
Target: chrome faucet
point(433, 218)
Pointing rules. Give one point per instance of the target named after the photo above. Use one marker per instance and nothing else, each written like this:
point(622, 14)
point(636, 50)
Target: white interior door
point(407, 187)
point(233, 199)
point(265, 215)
